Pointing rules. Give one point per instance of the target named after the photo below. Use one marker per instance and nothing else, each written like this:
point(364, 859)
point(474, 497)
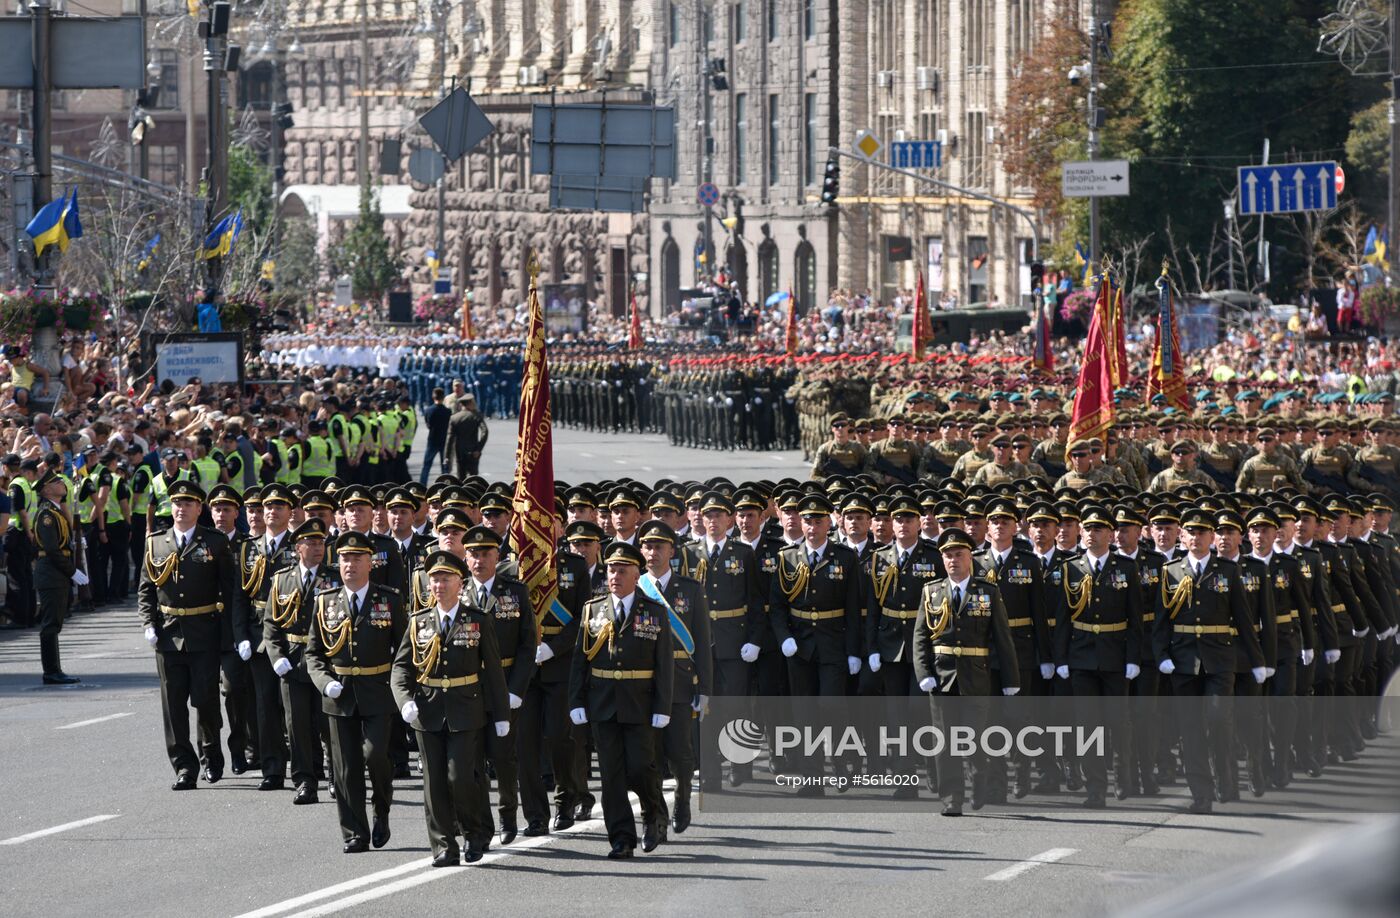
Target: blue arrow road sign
point(916, 154)
point(1287, 188)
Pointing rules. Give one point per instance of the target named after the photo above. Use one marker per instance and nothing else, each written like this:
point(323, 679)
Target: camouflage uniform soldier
point(1327, 467)
point(895, 459)
point(1003, 468)
point(1268, 469)
point(842, 454)
point(1183, 472)
point(970, 462)
point(1077, 453)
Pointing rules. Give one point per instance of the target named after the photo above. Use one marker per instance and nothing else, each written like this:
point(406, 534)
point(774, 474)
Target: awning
point(341, 201)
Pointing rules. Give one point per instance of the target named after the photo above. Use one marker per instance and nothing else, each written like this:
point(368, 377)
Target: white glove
point(1062, 671)
point(579, 716)
point(409, 711)
point(1047, 670)
point(699, 703)
point(151, 636)
point(515, 702)
point(1362, 633)
point(1331, 656)
point(543, 654)
point(1269, 672)
point(1166, 667)
point(282, 666)
point(1132, 670)
point(1009, 691)
point(245, 651)
point(1390, 632)
point(1260, 674)
point(749, 653)
point(502, 727)
point(1307, 656)
point(928, 684)
point(333, 690)
point(853, 664)
point(789, 647)
point(80, 578)
point(659, 721)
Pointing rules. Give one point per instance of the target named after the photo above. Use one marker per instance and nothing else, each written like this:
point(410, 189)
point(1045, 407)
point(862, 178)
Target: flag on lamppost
point(468, 333)
point(1166, 376)
point(219, 242)
point(49, 226)
point(532, 526)
point(1044, 356)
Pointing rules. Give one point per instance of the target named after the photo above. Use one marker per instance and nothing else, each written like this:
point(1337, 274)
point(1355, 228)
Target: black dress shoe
point(952, 808)
point(650, 837)
point(1150, 788)
point(184, 781)
point(330, 789)
point(564, 819)
point(401, 772)
point(620, 852)
point(1121, 792)
point(1046, 787)
point(305, 795)
point(584, 811)
point(379, 835)
point(1201, 806)
point(1096, 800)
point(535, 828)
point(447, 859)
point(978, 802)
point(356, 846)
point(473, 854)
point(681, 820)
point(272, 782)
point(906, 792)
point(237, 764)
point(508, 832)
point(60, 678)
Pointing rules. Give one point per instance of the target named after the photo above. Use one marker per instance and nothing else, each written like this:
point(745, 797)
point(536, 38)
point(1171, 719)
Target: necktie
point(446, 624)
point(957, 598)
point(1098, 566)
point(306, 581)
point(179, 543)
point(812, 561)
point(903, 556)
point(714, 555)
point(354, 605)
point(1045, 562)
point(481, 598)
point(621, 613)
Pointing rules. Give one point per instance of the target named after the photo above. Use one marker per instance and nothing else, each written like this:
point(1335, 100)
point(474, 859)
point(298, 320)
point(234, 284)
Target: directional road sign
point(1100, 178)
point(708, 194)
point(1287, 188)
point(916, 154)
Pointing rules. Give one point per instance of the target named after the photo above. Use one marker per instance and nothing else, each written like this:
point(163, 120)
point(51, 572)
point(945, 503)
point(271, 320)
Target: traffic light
point(1037, 275)
point(716, 73)
point(831, 182)
point(282, 112)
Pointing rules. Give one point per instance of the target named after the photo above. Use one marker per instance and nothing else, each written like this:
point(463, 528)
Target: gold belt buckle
point(1199, 631)
point(1096, 629)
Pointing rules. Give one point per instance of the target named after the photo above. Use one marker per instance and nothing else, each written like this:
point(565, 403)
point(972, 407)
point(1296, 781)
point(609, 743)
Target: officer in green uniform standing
point(842, 454)
point(357, 631)
point(188, 577)
point(55, 573)
point(623, 674)
point(448, 684)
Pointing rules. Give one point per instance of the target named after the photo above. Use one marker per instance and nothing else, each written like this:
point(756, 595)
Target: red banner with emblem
point(1093, 394)
point(532, 525)
point(790, 335)
point(921, 324)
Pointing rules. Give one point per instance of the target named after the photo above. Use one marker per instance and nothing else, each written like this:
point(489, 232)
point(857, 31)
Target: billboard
point(214, 358)
point(565, 308)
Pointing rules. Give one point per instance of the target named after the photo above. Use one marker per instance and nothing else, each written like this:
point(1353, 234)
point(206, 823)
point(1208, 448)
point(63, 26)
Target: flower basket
point(437, 308)
point(1380, 306)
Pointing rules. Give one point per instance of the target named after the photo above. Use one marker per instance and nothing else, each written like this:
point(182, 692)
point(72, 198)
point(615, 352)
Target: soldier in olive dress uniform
point(188, 577)
point(622, 680)
point(448, 685)
point(55, 572)
point(351, 647)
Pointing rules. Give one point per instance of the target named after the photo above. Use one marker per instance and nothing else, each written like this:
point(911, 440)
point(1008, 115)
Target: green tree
point(1187, 107)
point(250, 187)
point(1368, 158)
point(298, 262)
point(365, 253)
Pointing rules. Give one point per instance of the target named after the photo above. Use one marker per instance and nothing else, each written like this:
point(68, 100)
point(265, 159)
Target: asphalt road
point(91, 826)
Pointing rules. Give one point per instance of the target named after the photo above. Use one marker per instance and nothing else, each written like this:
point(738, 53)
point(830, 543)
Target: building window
point(978, 33)
point(522, 163)
point(255, 86)
point(772, 17)
point(740, 29)
point(168, 60)
point(767, 269)
point(673, 25)
point(741, 138)
point(164, 165)
point(773, 139)
point(975, 150)
point(977, 258)
point(707, 23)
point(809, 139)
point(1022, 38)
point(809, 19)
point(805, 264)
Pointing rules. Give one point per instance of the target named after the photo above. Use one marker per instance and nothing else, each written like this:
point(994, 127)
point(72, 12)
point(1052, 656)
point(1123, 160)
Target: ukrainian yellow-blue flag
point(1081, 261)
point(431, 258)
point(47, 228)
point(72, 225)
point(219, 242)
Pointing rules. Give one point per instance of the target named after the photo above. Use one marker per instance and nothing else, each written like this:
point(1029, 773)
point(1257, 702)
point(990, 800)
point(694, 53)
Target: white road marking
point(1030, 863)
point(586, 455)
point(620, 461)
point(777, 458)
point(91, 820)
point(96, 720)
point(339, 888)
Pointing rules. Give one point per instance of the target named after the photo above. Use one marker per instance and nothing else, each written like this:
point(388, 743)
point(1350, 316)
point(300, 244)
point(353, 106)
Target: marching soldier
point(235, 675)
point(55, 573)
point(1183, 472)
point(623, 672)
point(357, 631)
point(188, 573)
point(1268, 469)
point(684, 601)
point(1004, 467)
point(1201, 610)
point(1144, 731)
point(841, 455)
point(961, 618)
point(1017, 573)
point(259, 560)
point(447, 682)
point(286, 629)
point(1098, 631)
point(895, 459)
point(504, 603)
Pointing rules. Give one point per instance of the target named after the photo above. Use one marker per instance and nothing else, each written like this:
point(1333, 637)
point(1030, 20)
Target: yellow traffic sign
point(868, 145)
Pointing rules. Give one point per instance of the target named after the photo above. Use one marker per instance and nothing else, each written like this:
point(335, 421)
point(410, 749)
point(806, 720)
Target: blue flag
point(72, 225)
